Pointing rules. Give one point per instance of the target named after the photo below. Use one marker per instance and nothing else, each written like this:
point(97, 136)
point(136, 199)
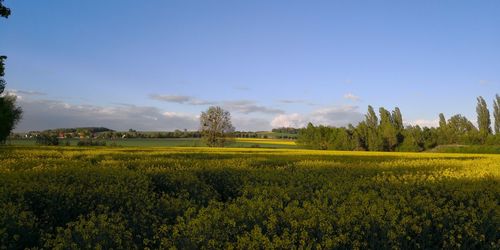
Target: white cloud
point(250, 124)
point(48, 114)
point(40, 114)
point(27, 92)
point(181, 99)
point(330, 116)
point(337, 116)
point(241, 106)
point(296, 101)
point(247, 107)
point(352, 97)
point(424, 123)
point(288, 120)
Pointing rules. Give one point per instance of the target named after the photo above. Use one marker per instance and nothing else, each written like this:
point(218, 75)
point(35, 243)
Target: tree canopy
point(10, 114)
point(216, 126)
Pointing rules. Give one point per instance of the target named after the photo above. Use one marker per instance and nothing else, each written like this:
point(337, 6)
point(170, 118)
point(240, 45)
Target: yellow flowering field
point(252, 198)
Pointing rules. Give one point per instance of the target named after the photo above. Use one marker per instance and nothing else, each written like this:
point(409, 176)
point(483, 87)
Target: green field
point(172, 142)
point(199, 198)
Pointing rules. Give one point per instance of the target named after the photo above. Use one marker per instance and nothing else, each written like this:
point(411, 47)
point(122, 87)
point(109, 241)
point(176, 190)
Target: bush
point(47, 140)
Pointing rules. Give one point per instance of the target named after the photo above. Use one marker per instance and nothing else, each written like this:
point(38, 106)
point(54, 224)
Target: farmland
point(173, 142)
point(245, 198)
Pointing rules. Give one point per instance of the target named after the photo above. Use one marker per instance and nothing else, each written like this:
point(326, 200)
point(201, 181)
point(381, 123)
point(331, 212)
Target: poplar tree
point(373, 139)
point(443, 137)
point(371, 118)
point(483, 119)
point(388, 132)
point(397, 119)
point(496, 113)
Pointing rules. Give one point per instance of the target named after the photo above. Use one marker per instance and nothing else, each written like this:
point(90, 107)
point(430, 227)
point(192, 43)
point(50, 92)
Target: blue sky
point(155, 65)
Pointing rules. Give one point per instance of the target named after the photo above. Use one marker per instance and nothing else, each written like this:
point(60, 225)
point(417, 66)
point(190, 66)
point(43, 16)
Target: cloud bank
point(40, 114)
point(330, 116)
point(48, 114)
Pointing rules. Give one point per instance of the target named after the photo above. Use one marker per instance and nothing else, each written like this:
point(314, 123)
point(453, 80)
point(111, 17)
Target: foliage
point(389, 134)
point(216, 126)
point(483, 119)
point(199, 198)
point(4, 11)
point(47, 140)
point(496, 113)
point(10, 114)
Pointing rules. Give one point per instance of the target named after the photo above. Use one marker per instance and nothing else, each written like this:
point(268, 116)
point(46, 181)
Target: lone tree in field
point(215, 126)
point(10, 114)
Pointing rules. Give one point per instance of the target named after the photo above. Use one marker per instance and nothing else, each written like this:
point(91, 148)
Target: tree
point(10, 114)
point(387, 130)
point(397, 120)
point(443, 137)
point(2, 73)
point(483, 119)
point(413, 140)
point(374, 141)
point(215, 126)
point(496, 114)
point(4, 11)
point(461, 130)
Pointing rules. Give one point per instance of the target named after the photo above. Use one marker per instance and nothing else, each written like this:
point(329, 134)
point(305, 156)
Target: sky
point(156, 65)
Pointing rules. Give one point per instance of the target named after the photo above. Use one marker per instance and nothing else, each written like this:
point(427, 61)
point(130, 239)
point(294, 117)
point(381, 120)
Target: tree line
point(386, 132)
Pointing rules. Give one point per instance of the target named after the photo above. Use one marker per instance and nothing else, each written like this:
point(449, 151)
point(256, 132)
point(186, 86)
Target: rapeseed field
point(208, 198)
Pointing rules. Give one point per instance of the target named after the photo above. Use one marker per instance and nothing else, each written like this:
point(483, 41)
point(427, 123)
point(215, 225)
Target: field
point(174, 142)
point(246, 198)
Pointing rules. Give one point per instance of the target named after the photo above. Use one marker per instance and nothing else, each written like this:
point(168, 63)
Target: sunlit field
point(266, 141)
point(195, 198)
point(173, 142)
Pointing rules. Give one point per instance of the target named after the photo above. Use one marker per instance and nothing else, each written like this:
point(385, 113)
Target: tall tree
point(215, 126)
point(496, 113)
point(10, 114)
point(442, 120)
point(397, 119)
point(374, 141)
point(443, 135)
point(371, 118)
point(483, 119)
point(387, 130)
